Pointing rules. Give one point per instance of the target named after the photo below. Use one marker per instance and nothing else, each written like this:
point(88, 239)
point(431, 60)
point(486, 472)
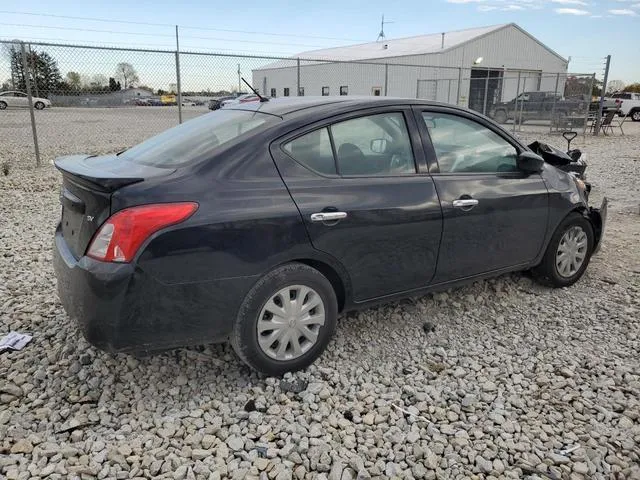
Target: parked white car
point(629, 104)
point(19, 99)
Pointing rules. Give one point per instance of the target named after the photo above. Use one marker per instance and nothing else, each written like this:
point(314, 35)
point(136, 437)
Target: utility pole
point(602, 93)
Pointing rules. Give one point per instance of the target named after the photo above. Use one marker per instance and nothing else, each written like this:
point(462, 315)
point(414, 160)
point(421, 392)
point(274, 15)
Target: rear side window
point(314, 151)
point(196, 139)
point(364, 146)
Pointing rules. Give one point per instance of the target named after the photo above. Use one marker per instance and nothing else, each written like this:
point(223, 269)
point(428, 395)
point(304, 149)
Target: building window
point(273, 92)
point(301, 92)
point(344, 90)
point(376, 91)
point(286, 92)
point(325, 91)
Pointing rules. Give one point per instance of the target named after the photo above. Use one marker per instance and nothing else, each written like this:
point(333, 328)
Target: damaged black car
point(259, 223)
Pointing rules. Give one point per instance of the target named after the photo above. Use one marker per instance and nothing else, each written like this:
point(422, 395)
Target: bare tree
point(127, 75)
point(615, 86)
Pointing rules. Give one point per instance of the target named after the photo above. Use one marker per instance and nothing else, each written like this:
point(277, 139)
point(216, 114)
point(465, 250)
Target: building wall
point(438, 76)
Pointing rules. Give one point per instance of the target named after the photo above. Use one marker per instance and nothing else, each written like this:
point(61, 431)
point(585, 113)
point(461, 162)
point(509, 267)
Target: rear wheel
point(500, 116)
point(286, 321)
point(635, 115)
point(3, 105)
point(568, 253)
point(39, 105)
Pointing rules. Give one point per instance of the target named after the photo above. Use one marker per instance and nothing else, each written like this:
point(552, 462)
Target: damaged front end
point(573, 162)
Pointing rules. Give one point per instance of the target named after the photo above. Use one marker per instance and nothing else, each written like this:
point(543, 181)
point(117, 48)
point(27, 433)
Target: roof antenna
point(262, 99)
point(381, 35)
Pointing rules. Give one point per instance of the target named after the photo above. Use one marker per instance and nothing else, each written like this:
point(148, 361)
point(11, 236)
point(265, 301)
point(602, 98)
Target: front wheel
point(286, 320)
point(3, 105)
point(568, 253)
point(635, 115)
point(39, 106)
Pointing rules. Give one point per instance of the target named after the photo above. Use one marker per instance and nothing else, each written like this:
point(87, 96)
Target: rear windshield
point(196, 139)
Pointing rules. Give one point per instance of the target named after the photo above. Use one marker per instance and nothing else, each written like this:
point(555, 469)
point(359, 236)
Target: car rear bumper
point(119, 307)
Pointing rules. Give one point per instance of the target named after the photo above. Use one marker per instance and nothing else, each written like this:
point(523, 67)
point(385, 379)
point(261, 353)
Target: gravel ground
point(498, 379)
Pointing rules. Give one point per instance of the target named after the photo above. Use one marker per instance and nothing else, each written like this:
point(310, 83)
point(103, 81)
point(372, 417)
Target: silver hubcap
point(572, 251)
point(290, 322)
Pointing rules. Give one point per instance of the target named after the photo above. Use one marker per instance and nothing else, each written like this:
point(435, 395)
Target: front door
point(366, 199)
point(495, 216)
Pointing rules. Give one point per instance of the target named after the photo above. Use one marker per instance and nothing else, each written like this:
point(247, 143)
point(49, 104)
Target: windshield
point(196, 139)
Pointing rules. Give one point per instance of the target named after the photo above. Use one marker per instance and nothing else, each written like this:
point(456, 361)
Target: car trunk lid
point(87, 185)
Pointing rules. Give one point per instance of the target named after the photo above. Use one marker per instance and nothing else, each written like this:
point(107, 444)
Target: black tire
point(547, 272)
point(635, 115)
point(244, 338)
point(500, 116)
point(3, 105)
point(38, 106)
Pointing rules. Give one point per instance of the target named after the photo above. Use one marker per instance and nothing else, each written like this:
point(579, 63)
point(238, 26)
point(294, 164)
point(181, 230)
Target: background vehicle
point(216, 103)
point(629, 104)
point(260, 222)
point(247, 98)
point(536, 106)
point(19, 99)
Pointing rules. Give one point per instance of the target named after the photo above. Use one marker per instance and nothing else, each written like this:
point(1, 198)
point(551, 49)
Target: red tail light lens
point(120, 237)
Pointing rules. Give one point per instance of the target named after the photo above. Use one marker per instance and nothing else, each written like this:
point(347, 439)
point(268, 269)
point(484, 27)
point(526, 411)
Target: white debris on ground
point(514, 379)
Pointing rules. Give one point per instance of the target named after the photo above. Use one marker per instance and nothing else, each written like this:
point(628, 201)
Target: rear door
point(495, 216)
point(361, 185)
point(20, 99)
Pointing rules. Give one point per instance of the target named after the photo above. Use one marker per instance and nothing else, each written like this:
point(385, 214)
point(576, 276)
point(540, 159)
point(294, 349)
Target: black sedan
point(260, 223)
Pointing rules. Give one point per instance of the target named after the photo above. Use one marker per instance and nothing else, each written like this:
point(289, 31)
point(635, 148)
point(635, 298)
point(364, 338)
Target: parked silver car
point(20, 99)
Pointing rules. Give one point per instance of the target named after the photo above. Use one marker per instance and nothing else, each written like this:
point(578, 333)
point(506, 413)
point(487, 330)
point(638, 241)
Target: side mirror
point(530, 162)
point(378, 145)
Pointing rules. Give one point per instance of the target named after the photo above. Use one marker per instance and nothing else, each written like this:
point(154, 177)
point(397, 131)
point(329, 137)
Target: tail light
point(120, 237)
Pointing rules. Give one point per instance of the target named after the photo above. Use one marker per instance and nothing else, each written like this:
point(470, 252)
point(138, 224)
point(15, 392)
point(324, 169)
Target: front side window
point(373, 145)
point(344, 90)
point(196, 139)
point(313, 150)
point(285, 92)
point(325, 91)
point(465, 146)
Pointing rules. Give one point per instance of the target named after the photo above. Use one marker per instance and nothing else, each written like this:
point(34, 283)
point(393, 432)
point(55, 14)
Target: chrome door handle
point(328, 216)
point(465, 203)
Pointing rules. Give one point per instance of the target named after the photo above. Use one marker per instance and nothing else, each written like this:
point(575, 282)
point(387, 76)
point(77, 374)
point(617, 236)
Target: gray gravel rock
point(510, 373)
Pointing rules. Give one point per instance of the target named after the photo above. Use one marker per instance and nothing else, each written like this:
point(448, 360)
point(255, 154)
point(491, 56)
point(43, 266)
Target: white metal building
point(436, 67)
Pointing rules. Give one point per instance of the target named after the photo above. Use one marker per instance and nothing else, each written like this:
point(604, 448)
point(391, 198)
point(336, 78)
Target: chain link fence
point(121, 96)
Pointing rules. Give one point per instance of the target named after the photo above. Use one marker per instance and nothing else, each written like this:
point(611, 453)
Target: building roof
point(417, 45)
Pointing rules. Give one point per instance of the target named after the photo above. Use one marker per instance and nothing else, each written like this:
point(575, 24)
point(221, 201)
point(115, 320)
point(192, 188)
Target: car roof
point(284, 106)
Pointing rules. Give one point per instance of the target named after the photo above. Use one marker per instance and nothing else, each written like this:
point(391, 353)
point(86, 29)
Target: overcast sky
point(584, 30)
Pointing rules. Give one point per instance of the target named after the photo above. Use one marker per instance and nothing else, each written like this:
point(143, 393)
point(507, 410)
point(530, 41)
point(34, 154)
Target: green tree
point(74, 80)
point(43, 72)
point(113, 85)
point(127, 75)
point(634, 87)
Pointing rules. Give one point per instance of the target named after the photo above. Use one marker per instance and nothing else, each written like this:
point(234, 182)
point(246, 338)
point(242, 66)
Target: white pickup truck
point(629, 104)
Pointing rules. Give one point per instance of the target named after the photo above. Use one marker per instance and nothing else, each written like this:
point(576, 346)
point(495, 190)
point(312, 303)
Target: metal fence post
point(515, 112)
point(458, 89)
point(449, 92)
point(298, 76)
point(486, 92)
point(553, 108)
point(27, 81)
point(602, 92)
point(386, 78)
point(178, 84)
